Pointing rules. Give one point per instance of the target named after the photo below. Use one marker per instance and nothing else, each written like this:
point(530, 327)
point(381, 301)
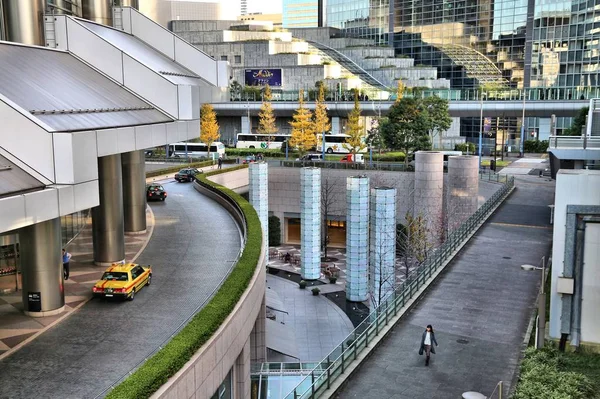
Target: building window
point(223, 58)
point(225, 389)
point(238, 59)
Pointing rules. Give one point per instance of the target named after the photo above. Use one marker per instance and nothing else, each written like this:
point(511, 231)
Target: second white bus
point(262, 141)
point(196, 150)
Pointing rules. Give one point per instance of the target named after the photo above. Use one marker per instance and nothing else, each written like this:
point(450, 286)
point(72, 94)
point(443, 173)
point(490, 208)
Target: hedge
point(175, 169)
point(544, 375)
point(169, 360)
point(271, 153)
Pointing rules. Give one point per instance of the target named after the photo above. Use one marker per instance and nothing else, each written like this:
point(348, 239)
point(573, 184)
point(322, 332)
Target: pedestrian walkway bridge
point(463, 103)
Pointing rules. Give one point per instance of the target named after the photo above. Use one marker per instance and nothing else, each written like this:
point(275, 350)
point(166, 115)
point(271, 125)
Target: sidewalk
point(16, 329)
point(480, 309)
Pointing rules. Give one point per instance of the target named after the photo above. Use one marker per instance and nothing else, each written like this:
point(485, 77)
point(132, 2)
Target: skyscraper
point(302, 13)
point(551, 45)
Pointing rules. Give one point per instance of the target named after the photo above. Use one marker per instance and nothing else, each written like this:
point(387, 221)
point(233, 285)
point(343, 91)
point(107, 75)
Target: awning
point(281, 338)
point(274, 302)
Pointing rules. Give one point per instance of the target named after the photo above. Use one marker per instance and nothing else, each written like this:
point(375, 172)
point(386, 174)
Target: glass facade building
point(300, 13)
point(548, 44)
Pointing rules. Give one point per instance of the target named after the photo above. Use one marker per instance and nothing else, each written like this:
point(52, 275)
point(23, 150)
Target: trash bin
point(493, 165)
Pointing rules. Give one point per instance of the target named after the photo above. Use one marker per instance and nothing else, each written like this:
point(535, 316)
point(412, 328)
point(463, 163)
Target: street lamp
point(541, 318)
point(480, 126)
point(521, 144)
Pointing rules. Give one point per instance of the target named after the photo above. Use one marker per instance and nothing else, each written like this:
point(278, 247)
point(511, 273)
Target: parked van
point(311, 158)
point(349, 158)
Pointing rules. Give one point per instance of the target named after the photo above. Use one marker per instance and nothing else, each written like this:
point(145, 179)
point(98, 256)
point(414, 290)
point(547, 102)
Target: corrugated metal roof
point(14, 180)
point(147, 55)
point(39, 79)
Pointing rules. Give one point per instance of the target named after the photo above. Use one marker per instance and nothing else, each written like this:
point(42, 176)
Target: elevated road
point(458, 108)
point(192, 250)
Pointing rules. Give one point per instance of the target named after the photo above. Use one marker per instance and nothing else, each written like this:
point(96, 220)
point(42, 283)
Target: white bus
point(250, 140)
point(333, 143)
point(196, 150)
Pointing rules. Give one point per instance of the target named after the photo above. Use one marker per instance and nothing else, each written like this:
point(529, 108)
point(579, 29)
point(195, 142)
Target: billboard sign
point(262, 77)
point(487, 125)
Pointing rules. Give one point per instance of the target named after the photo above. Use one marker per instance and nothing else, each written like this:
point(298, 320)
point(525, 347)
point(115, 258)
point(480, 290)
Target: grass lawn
point(499, 164)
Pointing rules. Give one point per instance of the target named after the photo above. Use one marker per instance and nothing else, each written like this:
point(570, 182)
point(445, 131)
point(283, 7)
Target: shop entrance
point(336, 231)
point(10, 269)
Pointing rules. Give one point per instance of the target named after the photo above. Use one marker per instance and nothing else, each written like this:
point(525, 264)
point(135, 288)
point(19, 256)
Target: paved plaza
point(318, 324)
point(480, 308)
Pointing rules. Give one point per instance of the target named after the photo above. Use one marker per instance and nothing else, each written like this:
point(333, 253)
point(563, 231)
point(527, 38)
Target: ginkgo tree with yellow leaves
point(321, 120)
point(355, 142)
point(209, 128)
point(303, 135)
point(266, 116)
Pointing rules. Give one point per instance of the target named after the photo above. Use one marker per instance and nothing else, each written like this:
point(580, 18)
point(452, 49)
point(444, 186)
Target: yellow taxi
point(122, 281)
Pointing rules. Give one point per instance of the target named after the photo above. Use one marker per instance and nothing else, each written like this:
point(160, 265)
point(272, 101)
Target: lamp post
point(480, 126)
point(541, 318)
point(522, 128)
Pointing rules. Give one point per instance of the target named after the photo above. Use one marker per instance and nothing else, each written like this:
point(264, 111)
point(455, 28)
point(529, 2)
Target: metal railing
point(538, 94)
point(574, 142)
point(366, 165)
point(493, 177)
point(340, 358)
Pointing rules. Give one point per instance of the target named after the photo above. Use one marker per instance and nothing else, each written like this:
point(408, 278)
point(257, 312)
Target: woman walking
point(427, 342)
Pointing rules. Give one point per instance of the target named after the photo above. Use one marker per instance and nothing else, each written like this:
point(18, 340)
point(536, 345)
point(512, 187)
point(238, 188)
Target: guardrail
point(339, 359)
point(574, 142)
point(389, 166)
point(537, 94)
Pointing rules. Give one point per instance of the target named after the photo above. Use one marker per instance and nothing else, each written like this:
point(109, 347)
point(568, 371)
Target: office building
point(164, 11)
point(275, 19)
point(301, 13)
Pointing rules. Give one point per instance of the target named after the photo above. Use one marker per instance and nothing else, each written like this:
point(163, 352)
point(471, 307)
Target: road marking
point(527, 226)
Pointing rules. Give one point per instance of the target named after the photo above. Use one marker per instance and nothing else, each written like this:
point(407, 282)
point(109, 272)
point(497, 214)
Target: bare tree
point(329, 205)
point(382, 258)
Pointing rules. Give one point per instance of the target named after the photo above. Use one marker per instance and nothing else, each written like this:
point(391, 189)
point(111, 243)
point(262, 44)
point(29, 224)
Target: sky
point(265, 6)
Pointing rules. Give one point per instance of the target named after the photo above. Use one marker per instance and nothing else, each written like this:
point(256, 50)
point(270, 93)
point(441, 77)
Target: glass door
point(9, 264)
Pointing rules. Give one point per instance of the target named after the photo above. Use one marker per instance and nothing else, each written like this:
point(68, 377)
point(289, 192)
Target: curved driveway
point(191, 250)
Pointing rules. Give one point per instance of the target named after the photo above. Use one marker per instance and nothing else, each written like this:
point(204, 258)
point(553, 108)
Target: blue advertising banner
point(262, 77)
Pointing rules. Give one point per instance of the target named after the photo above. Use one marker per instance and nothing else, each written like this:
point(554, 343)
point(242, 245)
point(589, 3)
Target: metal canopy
point(14, 180)
point(66, 94)
point(145, 54)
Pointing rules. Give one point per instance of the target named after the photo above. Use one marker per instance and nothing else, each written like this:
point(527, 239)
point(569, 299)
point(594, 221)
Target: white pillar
point(383, 244)
point(259, 196)
point(310, 223)
point(357, 238)
point(429, 192)
point(463, 189)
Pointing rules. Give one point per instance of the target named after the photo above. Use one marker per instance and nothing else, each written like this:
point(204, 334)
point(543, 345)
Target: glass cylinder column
point(357, 238)
point(259, 196)
point(463, 189)
point(310, 223)
point(429, 192)
point(383, 244)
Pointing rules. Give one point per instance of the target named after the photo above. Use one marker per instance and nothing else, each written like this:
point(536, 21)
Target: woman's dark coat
point(433, 341)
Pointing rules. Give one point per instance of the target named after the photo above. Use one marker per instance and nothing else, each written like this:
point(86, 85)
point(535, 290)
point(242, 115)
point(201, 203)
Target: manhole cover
point(506, 257)
point(462, 341)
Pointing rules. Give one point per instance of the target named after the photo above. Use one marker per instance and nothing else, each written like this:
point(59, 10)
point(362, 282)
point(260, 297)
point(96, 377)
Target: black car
point(186, 174)
point(155, 192)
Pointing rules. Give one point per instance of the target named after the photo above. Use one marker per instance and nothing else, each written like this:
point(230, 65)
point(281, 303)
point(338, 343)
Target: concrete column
point(429, 192)
point(246, 125)
point(463, 189)
point(107, 218)
point(335, 125)
point(258, 343)
point(259, 196)
point(24, 21)
point(134, 191)
point(310, 223)
point(357, 238)
point(41, 268)
point(243, 382)
point(383, 244)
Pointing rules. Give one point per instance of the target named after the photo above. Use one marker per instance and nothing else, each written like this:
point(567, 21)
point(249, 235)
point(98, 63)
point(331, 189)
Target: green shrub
point(175, 169)
point(535, 146)
point(244, 152)
point(274, 231)
point(464, 146)
point(389, 157)
point(172, 357)
point(543, 376)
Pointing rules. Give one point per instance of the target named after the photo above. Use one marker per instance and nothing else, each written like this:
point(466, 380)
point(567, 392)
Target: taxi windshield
point(115, 276)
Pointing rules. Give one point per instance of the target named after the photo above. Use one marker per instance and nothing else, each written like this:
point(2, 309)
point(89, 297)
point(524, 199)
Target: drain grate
point(462, 341)
point(506, 257)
